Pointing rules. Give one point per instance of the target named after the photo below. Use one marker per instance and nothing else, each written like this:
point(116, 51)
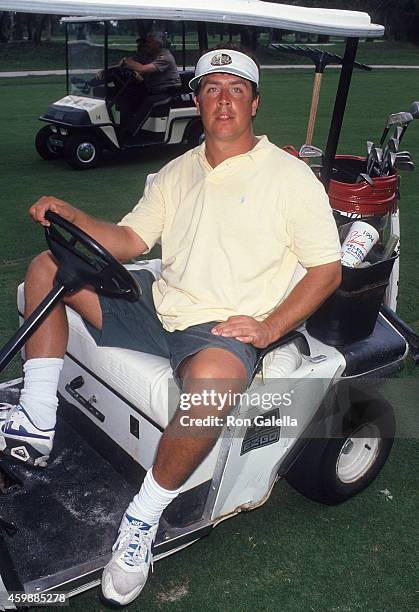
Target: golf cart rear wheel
point(43, 145)
point(334, 469)
point(83, 151)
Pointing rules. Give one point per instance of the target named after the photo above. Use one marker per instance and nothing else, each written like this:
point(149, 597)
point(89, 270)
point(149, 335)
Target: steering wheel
point(83, 261)
point(119, 74)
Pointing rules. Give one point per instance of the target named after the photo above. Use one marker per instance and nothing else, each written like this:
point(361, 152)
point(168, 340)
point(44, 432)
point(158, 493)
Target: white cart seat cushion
point(140, 378)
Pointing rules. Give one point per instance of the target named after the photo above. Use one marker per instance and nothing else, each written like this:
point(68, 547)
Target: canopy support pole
point(339, 110)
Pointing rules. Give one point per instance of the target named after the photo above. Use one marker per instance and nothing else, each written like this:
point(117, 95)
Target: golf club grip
point(314, 105)
point(411, 337)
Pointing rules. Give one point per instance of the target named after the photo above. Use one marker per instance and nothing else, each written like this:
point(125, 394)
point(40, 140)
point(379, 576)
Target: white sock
point(39, 393)
point(151, 500)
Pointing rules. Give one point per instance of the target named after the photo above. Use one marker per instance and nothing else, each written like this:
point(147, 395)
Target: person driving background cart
point(156, 75)
point(234, 216)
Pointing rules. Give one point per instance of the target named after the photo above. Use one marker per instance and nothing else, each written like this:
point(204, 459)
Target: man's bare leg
point(182, 449)
point(50, 340)
point(29, 428)
point(180, 452)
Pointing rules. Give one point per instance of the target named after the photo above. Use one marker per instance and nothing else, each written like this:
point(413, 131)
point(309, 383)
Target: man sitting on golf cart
point(235, 215)
point(156, 72)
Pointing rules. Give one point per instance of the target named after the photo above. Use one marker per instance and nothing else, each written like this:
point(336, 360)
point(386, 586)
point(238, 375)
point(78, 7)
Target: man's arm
point(304, 299)
point(138, 67)
point(121, 241)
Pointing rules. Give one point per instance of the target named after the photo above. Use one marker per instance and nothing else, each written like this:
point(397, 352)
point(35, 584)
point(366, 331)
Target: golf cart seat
point(177, 97)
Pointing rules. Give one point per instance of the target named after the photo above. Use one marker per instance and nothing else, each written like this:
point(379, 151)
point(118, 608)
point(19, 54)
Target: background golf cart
point(87, 121)
point(83, 484)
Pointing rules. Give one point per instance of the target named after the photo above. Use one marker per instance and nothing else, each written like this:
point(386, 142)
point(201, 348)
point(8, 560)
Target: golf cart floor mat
point(66, 514)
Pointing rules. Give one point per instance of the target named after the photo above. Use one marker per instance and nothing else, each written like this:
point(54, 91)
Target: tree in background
point(27, 26)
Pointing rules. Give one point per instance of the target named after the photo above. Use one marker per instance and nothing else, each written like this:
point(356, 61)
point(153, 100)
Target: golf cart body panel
point(98, 384)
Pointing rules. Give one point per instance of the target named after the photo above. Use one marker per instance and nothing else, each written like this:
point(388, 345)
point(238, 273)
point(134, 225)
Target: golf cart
point(115, 404)
point(88, 120)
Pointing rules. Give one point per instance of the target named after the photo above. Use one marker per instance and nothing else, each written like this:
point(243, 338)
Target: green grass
point(295, 555)
point(292, 554)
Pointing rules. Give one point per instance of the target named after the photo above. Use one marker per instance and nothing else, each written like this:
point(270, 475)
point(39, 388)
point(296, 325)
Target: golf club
point(393, 145)
point(365, 177)
point(388, 163)
point(404, 165)
point(309, 151)
point(404, 128)
point(372, 161)
point(402, 118)
point(403, 156)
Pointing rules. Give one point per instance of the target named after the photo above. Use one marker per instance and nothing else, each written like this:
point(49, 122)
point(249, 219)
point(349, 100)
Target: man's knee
point(42, 269)
point(215, 364)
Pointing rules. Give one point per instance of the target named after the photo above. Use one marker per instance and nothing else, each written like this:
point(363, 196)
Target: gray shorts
point(135, 326)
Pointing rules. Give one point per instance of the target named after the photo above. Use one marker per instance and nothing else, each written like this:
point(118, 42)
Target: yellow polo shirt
point(232, 235)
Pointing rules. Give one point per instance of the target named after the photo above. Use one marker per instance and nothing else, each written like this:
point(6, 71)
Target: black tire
point(334, 469)
point(195, 133)
point(83, 151)
point(43, 145)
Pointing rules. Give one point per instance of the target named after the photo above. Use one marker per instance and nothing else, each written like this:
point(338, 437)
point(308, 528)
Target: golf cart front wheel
point(334, 469)
point(44, 144)
point(82, 151)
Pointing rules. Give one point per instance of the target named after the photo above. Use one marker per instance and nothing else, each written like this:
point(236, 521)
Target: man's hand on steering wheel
point(64, 209)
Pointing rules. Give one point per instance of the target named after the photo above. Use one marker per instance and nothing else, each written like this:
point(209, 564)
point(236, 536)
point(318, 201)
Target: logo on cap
point(221, 59)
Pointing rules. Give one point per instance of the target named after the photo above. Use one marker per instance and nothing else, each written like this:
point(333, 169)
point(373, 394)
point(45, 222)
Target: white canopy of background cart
point(246, 12)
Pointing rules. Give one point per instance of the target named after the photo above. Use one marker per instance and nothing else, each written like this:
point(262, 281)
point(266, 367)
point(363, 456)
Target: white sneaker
point(126, 573)
point(24, 442)
point(4, 414)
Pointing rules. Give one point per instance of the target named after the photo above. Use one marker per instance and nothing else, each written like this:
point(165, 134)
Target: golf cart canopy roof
point(244, 12)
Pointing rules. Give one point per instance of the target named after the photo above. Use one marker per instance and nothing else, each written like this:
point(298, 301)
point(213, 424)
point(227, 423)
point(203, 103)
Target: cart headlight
point(63, 131)
point(54, 129)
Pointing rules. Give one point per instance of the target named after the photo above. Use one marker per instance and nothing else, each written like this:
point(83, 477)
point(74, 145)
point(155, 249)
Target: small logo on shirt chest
point(243, 199)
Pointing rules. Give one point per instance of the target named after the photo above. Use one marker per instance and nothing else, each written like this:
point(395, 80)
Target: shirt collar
point(259, 146)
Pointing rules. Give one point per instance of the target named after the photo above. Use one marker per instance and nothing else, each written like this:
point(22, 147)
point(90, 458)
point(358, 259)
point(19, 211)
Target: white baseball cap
point(228, 61)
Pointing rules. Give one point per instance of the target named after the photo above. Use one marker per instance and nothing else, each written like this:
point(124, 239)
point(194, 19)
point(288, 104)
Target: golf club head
point(393, 145)
point(414, 110)
point(372, 161)
point(363, 177)
point(317, 169)
point(403, 156)
point(399, 118)
point(409, 166)
point(307, 150)
point(388, 165)
point(370, 145)
point(398, 132)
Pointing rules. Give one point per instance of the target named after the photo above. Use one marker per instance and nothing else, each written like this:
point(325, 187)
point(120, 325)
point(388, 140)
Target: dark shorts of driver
point(135, 326)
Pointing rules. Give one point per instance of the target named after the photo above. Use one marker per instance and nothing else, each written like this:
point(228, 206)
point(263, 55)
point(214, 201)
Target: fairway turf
point(291, 554)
